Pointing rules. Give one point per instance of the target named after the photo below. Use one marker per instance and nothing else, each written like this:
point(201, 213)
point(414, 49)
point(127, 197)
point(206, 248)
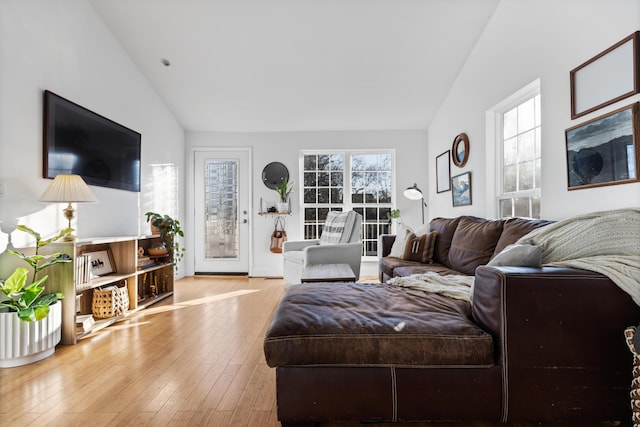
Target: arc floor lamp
point(414, 193)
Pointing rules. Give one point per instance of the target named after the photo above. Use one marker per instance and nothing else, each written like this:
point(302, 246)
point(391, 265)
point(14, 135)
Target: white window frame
point(494, 152)
point(347, 204)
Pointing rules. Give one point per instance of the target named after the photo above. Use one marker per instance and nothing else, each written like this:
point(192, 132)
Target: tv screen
point(79, 141)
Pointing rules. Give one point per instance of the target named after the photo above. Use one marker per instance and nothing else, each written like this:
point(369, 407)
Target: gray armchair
point(340, 243)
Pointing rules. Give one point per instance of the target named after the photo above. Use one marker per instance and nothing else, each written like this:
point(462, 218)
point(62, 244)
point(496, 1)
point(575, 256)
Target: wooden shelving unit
point(145, 286)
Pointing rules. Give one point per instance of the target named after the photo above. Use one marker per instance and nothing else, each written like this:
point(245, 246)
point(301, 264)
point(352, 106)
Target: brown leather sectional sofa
point(537, 344)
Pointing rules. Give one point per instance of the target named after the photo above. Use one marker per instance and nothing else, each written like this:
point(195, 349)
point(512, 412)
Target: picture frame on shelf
point(606, 78)
point(604, 150)
point(443, 172)
point(460, 150)
point(461, 189)
point(101, 262)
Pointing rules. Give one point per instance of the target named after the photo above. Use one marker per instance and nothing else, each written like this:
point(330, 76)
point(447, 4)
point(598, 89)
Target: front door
point(222, 194)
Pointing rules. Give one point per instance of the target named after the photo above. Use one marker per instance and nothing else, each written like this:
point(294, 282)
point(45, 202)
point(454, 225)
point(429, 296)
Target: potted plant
point(284, 189)
point(169, 229)
point(32, 318)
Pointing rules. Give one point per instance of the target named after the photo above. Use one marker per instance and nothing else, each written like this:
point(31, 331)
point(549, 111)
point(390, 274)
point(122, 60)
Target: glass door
point(221, 212)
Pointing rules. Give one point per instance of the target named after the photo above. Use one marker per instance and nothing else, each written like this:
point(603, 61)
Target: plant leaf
point(41, 311)
point(15, 282)
point(27, 315)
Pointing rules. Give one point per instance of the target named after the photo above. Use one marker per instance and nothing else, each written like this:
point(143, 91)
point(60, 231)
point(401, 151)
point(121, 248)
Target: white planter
point(22, 343)
point(283, 207)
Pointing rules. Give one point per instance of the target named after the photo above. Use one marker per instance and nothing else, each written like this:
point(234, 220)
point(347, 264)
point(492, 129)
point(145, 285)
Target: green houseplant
point(169, 229)
point(28, 300)
point(284, 190)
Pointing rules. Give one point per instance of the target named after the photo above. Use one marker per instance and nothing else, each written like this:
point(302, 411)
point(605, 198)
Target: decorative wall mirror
point(460, 150)
point(273, 174)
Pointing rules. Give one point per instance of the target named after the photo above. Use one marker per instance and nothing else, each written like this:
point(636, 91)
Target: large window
point(519, 160)
point(359, 181)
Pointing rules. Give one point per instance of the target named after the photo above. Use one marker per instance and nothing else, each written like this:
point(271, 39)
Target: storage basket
point(110, 301)
point(635, 383)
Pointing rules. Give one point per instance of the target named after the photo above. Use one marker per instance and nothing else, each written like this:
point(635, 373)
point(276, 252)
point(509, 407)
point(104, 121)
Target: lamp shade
point(413, 192)
point(68, 189)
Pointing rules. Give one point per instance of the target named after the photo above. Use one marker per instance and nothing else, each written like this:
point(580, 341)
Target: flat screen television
point(79, 141)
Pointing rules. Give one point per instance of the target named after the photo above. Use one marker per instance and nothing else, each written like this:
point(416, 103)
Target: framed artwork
point(604, 151)
point(461, 189)
point(608, 77)
point(460, 150)
point(443, 172)
point(101, 262)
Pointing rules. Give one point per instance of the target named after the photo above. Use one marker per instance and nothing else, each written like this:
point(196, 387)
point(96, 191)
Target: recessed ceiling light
point(165, 62)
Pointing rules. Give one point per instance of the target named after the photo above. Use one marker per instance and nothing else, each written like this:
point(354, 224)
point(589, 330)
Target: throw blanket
point(605, 242)
point(458, 287)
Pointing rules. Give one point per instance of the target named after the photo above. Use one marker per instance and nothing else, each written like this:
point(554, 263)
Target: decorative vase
point(283, 207)
point(22, 342)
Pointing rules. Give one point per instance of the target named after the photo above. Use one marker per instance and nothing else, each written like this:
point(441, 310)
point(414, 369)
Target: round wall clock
point(460, 150)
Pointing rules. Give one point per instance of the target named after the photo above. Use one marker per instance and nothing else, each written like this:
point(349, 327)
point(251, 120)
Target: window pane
point(526, 116)
point(336, 195)
point(357, 162)
point(526, 146)
point(525, 179)
point(538, 111)
point(358, 197)
point(521, 207)
point(506, 208)
point(323, 195)
point(310, 179)
point(510, 128)
point(384, 162)
point(309, 195)
point(323, 179)
point(337, 162)
point(324, 162)
point(510, 179)
point(310, 162)
point(336, 179)
point(510, 151)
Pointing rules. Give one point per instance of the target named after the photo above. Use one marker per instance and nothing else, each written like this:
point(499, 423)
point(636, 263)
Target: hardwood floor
point(193, 360)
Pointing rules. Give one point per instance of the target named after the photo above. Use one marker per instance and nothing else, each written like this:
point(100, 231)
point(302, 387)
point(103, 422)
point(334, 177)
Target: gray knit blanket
point(605, 242)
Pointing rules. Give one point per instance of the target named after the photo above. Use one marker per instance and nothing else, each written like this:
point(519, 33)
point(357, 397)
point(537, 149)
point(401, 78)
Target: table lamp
point(414, 193)
point(68, 189)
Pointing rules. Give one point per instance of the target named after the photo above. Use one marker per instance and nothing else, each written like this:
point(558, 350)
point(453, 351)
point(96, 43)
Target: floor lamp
point(68, 189)
point(414, 193)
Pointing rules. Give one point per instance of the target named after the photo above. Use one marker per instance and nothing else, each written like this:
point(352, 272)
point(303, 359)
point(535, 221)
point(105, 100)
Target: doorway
point(221, 218)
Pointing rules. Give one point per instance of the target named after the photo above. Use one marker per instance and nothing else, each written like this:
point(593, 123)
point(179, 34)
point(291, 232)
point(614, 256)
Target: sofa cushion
point(515, 228)
point(473, 243)
point(397, 249)
point(373, 324)
point(408, 269)
point(518, 255)
point(445, 228)
point(420, 248)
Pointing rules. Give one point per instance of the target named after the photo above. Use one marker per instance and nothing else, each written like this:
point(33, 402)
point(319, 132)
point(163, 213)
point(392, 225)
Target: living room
point(68, 48)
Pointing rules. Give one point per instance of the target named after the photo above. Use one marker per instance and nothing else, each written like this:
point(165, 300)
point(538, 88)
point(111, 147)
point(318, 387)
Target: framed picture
point(101, 262)
point(443, 172)
point(461, 189)
point(608, 77)
point(604, 151)
point(460, 150)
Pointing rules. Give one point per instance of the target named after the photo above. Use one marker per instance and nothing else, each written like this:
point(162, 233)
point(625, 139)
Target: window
point(518, 165)
point(164, 190)
point(359, 181)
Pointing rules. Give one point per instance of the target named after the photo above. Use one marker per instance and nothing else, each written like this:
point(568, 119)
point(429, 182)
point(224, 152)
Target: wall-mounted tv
point(79, 141)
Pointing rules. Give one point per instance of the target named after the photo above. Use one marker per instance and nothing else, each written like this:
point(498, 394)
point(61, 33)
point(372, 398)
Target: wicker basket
point(110, 301)
point(635, 383)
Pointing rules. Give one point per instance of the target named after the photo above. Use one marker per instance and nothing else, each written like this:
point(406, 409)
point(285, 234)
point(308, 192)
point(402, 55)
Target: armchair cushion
point(338, 227)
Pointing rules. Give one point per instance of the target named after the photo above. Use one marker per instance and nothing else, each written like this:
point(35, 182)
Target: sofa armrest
point(298, 245)
point(548, 314)
point(385, 244)
point(558, 334)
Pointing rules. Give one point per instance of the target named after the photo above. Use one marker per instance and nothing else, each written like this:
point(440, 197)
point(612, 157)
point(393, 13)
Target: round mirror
point(273, 174)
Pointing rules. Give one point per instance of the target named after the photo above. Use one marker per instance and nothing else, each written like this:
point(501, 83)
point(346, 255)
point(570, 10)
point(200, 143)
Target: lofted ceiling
point(299, 65)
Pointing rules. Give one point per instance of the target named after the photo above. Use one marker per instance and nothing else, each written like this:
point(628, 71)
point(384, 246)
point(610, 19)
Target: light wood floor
point(194, 360)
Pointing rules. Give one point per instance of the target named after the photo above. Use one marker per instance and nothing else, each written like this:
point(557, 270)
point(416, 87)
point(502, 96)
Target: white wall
point(63, 46)
point(410, 149)
point(523, 41)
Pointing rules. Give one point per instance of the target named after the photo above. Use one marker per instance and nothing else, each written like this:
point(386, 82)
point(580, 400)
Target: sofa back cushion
point(445, 227)
point(474, 243)
point(515, 228)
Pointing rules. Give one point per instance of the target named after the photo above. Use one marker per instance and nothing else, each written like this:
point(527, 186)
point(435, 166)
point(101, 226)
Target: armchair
point(340, 242)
